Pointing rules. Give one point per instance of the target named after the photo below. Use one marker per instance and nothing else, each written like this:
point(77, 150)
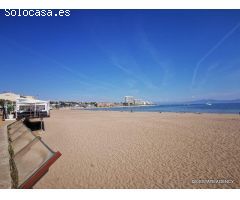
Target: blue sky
point(103, 55)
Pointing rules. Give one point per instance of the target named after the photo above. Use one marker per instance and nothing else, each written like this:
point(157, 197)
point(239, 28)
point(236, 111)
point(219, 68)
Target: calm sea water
point(192, 108)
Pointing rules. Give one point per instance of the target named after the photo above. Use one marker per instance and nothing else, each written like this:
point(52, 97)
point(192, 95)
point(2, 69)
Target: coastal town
point(128, 101)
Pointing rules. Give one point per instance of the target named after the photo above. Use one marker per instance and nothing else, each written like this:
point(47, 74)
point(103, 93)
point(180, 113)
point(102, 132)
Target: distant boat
point(209, 104)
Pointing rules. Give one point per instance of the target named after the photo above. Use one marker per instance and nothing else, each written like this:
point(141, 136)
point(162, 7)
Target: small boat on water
point(209, 104)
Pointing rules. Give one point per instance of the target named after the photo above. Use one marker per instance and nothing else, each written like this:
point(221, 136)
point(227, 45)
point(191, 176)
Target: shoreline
point(123, 106)
point(217, 108)
point(180, 112)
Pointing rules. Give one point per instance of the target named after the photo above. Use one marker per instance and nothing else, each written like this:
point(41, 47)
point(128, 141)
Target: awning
point(30, 101)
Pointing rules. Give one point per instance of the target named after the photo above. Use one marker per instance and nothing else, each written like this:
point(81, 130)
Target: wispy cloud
point(210, 70)
point(76, 76)
point(217, 45)
point(133, 74)
point(148, 46)
point(121, 67)
point(117, 62)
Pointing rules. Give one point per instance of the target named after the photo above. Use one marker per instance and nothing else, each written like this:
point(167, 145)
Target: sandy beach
point(107, 149)
point(1, 122)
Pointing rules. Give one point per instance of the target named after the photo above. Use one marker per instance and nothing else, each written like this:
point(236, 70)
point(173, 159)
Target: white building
point(32, 108)
point(9, 96)
point(24, 106)
point(139, 102)
point(129, 99)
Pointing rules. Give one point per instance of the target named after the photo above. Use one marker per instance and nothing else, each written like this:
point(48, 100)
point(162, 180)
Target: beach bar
point(32, 108)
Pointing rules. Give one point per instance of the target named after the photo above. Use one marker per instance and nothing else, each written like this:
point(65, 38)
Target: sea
point(233, 108)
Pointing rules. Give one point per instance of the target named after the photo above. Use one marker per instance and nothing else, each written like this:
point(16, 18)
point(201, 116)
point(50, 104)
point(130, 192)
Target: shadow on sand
point(34, 125)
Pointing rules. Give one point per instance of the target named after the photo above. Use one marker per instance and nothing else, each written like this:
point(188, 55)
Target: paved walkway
point(5, 178)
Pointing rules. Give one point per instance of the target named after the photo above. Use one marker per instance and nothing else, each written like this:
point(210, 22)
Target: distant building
point(139, 102)
point(105, 104)
point(129, 100)
point(148, 103)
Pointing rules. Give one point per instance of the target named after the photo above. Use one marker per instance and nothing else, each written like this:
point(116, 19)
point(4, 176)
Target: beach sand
point(107, 149)
point(1, 122)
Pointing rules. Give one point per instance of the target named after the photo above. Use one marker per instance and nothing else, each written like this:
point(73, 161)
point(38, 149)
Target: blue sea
point(190, 108)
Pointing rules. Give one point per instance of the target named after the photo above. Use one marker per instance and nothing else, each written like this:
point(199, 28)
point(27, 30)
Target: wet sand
point(107, 149)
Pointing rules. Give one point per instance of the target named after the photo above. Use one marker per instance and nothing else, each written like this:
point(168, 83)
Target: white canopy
point(30, 101)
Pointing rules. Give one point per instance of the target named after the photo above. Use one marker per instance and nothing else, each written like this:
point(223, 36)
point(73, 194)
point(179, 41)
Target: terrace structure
point(24, 157)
